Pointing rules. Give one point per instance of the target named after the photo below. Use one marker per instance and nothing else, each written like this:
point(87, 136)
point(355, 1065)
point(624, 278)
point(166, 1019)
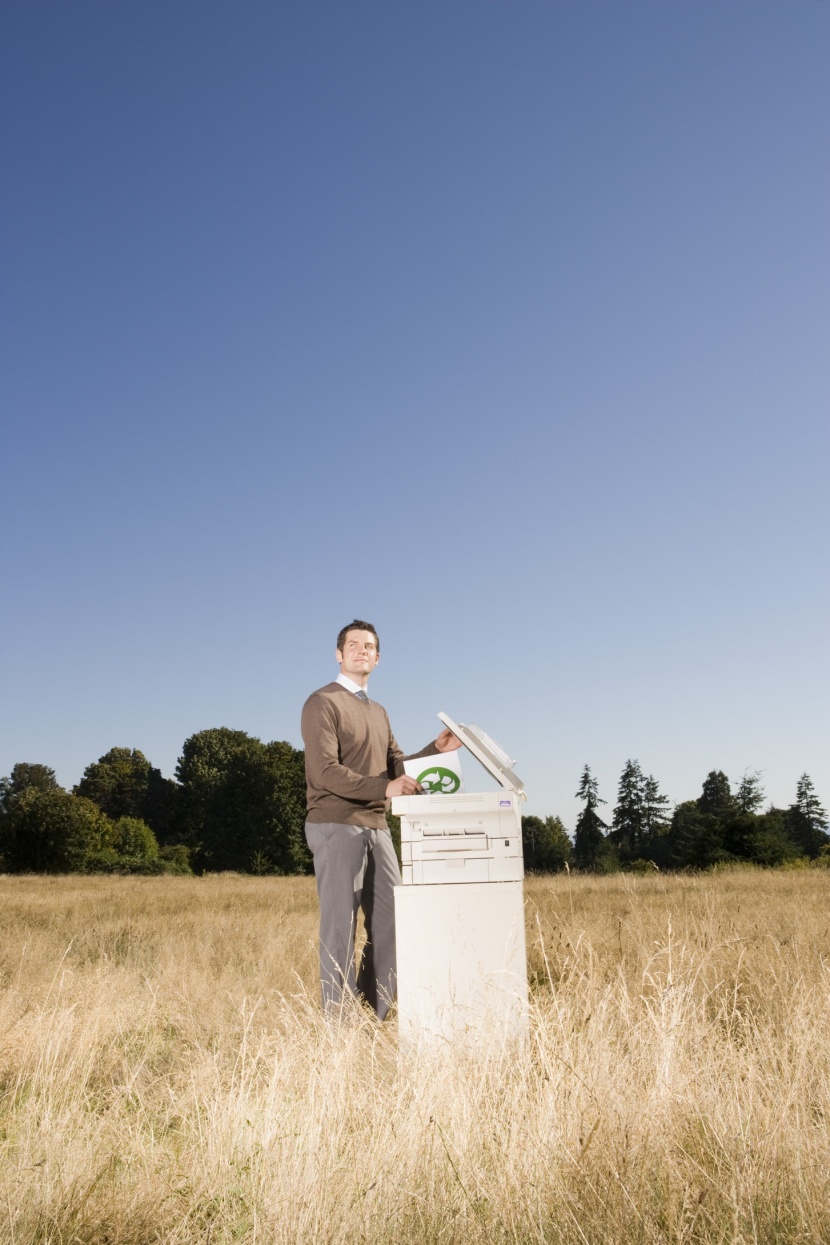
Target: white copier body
point(459, 914)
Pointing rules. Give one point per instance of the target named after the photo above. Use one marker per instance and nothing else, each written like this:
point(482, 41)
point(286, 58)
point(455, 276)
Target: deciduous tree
point(546, 846)
point(123, 783)
point(51, 831)
point(243, 803)
point(25, 776)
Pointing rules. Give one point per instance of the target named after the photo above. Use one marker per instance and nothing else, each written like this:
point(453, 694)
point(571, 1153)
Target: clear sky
point(502, 325)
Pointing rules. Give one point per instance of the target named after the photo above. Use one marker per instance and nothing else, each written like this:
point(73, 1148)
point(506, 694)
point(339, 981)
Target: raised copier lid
point(487, 751)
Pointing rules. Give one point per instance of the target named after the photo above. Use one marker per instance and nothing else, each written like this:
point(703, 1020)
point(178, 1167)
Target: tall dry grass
point(166, 1075)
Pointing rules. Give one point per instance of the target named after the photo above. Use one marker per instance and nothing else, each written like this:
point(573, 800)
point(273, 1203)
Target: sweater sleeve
point(396, 757)
point(322, 758)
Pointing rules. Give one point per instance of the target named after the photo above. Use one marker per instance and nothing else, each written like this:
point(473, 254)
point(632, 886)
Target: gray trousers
point(355, 867)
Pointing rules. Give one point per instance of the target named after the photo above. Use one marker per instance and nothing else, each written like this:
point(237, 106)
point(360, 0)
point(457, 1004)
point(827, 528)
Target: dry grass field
point(165, 1075)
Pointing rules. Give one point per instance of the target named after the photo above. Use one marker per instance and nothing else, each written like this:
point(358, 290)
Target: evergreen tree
point(627, 823)
point(699, 829)
point(716, 797)
point(656, 818)
point(750, 794)
point(592, 851)
point(696, 839)
point(808, 819)
point(737, 817)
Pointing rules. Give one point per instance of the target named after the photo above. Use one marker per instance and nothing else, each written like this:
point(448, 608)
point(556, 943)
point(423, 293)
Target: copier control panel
point(469, 837)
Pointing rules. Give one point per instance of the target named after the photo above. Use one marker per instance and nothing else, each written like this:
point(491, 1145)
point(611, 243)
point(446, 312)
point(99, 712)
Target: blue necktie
point(362, 696)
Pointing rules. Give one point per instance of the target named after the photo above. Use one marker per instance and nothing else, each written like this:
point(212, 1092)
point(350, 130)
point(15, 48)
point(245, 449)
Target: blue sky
point(503, 325)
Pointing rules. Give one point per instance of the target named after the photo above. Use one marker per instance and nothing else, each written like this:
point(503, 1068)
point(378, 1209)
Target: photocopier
point(464, 836)
point(459, 913)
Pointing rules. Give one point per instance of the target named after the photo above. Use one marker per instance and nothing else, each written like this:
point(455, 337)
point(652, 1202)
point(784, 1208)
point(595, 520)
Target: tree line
point(239, 804)
point(236, 803)
point(721, 826)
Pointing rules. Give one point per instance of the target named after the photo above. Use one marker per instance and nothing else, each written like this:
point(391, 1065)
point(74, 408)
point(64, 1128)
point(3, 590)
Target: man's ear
point(338, 657)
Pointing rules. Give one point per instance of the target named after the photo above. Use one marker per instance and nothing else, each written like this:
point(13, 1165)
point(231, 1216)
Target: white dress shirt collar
point(349, 684)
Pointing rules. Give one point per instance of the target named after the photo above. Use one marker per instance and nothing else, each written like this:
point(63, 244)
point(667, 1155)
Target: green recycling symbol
point(438, 781)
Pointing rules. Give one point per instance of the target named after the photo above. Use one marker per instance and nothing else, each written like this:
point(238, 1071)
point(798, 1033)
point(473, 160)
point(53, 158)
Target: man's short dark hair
point(358, 625)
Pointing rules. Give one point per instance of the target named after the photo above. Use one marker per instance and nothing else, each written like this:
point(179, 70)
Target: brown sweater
point(350, 757)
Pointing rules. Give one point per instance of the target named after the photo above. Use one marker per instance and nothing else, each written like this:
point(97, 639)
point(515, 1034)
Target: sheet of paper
point(439, 774)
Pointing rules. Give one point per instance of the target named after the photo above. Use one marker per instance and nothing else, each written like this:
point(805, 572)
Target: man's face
point(359, 654)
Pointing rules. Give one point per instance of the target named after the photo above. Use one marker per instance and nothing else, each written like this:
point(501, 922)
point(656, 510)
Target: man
point(353, 765)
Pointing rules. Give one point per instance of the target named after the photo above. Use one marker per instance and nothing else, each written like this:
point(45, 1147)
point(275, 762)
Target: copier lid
point(484, 749)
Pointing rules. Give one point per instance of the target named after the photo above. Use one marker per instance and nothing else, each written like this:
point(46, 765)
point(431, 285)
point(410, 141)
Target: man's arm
point(446, 742)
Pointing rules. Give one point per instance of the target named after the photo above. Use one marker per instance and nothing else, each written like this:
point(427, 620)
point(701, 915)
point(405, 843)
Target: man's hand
point(403, 786)
point(447, 742)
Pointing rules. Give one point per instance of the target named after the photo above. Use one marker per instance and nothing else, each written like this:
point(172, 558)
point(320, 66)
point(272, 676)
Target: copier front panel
point(460, 838)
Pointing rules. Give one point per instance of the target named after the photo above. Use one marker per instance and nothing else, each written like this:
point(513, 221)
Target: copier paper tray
point(460, 838)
